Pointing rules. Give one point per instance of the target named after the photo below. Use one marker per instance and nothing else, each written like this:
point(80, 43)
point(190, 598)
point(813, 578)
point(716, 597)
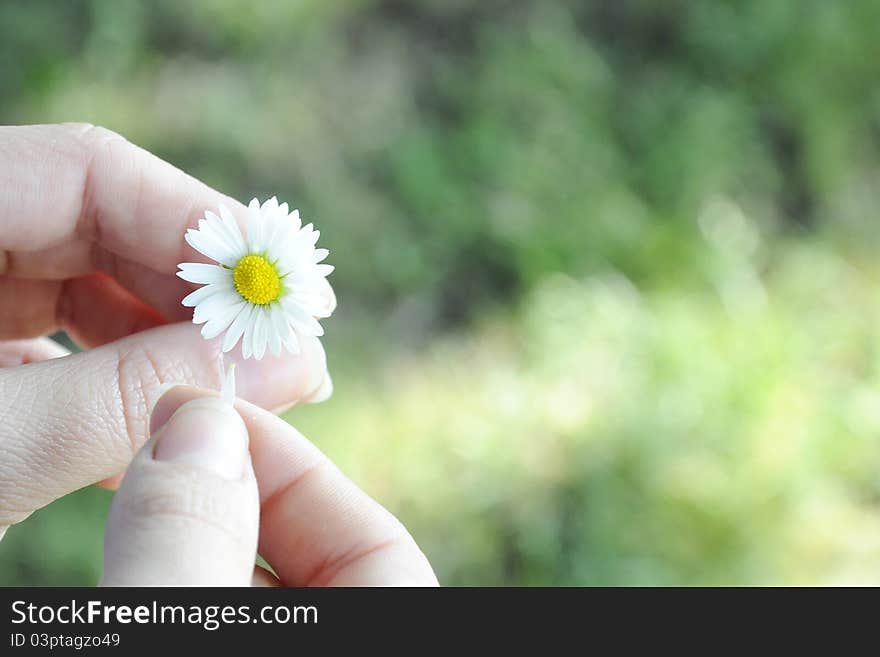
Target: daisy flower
point(267, 288)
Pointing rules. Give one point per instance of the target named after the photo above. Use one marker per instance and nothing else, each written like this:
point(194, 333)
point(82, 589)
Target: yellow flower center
point(257, 280)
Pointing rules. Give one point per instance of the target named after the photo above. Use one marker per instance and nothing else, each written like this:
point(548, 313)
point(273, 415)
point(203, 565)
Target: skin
point(91, 232)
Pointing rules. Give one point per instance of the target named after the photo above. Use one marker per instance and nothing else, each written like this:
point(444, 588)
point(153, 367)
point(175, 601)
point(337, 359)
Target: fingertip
point(323, 392)
point(187, 512)
point(171, 397)
point(279, 381)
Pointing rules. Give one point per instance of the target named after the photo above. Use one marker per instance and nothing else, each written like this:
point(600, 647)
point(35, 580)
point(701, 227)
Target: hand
point(91, 231)
point(194, 502)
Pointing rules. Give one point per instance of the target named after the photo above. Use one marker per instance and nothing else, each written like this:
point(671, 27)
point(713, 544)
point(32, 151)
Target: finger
point(187, 512)
point(70, 422)
point(322, 393)
point(160, 290)
point(72, 182)
point(21, 352)
point(118, 208)
point(317, 527)
point(93, 309)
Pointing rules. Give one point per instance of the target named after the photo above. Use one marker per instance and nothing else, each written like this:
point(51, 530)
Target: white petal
point(297, 254)
point(309, 234)
point(215, 306)
point(278, 239)
point(325, 270)
point(278, 328)
point(268, 215)
point(305, 278)
point(291, 343)
point(254, 227)
point(319, 255)
point(214, 225)
point(315, 303)
point(195, 298)
point(308, 325)
point(227, 389)
point(233, 230)
point(301, 320)
point(236, 329)
point(270, 206)
point(247, 340)
point(261, 326)
point(222, 320)
point(197, 272)
point(288, 263)
point(295, 221)
point(208, 243)
point(212, 229)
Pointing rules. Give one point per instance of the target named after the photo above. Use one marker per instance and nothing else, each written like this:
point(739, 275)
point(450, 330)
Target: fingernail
point(324, 391)
point(205, 433)
point(162, 388)
point(166, 403)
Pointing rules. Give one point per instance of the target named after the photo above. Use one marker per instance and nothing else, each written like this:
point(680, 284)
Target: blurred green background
point(607, 270)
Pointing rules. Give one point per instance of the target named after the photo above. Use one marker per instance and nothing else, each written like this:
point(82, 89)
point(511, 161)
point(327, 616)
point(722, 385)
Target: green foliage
point(622, 251)
point(599, 435)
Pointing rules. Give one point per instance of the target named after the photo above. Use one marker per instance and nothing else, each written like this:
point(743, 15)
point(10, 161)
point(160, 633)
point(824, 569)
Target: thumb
point(187, 512)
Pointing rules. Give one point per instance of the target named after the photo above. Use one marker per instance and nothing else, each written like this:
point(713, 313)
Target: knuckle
point(140, 371)
point(137, 371)
point(187, 498)
point(92, 136)
point(77, 128)
point(95, 143)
